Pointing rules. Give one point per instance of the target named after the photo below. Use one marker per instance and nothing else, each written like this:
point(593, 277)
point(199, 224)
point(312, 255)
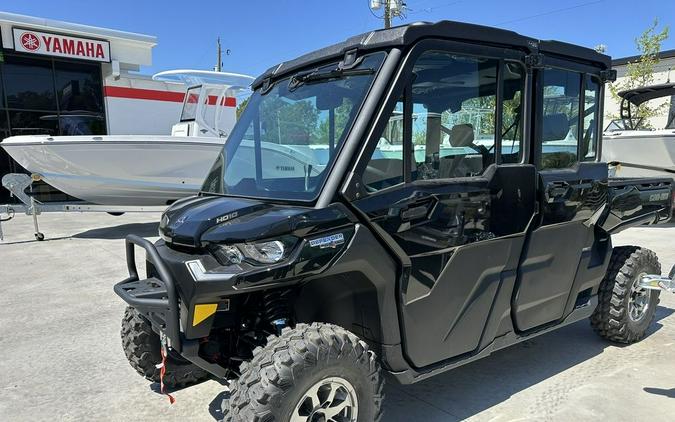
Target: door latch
point(414, 213)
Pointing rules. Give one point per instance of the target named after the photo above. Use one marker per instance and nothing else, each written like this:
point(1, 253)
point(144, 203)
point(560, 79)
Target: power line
point(551, 12)
point(432, 8)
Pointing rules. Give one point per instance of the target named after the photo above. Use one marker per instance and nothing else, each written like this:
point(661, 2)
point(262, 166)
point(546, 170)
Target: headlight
point(265, 252)
point(262, 253)
point(230, 254)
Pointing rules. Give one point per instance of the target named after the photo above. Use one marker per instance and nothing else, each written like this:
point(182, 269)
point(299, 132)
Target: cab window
point(512, 113)
point(453, 115)
point(560, 123)
point(385, 168)
point(450, 127)
point(589, 142)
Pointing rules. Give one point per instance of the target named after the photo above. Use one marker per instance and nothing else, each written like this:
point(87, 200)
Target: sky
point(261, 33)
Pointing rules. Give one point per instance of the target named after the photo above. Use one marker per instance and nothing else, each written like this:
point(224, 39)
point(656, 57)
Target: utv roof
point(640, 95)
point(408, 34)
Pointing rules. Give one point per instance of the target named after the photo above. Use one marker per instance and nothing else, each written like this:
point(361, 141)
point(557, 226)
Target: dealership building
point(61, 78)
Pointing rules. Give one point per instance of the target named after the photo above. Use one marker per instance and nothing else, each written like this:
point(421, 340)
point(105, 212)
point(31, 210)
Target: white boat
point(634, 151)
point(118, 169)
point(139, 170)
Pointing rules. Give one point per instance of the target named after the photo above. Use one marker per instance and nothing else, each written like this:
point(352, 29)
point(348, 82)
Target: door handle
point(414, 213)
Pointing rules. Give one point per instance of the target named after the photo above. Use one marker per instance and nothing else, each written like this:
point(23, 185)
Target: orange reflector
point(203, 311)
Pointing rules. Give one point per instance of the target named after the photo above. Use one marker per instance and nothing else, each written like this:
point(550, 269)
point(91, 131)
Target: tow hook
point(657, 282)
point(164, 353)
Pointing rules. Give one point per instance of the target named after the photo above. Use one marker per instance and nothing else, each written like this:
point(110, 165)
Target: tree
point(641, 72)
point(242, 106)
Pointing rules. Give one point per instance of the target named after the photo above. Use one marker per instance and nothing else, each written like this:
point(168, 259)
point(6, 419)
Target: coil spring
point(276, 305)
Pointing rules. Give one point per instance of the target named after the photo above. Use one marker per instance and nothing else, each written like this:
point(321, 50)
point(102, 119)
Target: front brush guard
point(157, 299)
point(154, 297)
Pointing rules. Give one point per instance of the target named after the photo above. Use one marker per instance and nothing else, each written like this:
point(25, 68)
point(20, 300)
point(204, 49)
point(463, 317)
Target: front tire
point(625, 310)
point(141, 346)
point(311, 372)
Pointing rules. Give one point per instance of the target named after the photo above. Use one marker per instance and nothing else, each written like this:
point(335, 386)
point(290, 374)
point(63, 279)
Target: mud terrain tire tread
point(141, 346)
point(610, 319)
point(276, 368)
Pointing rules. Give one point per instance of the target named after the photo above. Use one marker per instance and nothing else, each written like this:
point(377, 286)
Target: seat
point(462, 135)
point(460, 165)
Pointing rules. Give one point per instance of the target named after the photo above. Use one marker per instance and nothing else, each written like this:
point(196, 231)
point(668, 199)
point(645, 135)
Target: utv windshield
point(287, 138)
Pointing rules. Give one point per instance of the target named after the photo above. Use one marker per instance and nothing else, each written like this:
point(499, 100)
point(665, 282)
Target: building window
point(44, 96)
point(29, 83)
point(33, 123)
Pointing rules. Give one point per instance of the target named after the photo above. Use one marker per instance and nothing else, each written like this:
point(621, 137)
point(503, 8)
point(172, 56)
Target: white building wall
point(138, 105)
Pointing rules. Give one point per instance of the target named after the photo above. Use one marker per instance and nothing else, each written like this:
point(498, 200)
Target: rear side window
point(512, 113)
point(560, 124)
point(589, 142)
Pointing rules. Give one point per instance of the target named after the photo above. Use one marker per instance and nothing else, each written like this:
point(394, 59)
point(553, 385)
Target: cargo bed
point(637, 201)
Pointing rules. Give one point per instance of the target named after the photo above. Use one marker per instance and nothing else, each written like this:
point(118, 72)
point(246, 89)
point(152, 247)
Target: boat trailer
point(17, 183)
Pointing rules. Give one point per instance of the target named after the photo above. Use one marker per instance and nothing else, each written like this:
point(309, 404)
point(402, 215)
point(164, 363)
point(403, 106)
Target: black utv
point(409, 200)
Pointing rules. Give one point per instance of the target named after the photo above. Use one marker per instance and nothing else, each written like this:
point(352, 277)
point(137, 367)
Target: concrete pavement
point(62, 359)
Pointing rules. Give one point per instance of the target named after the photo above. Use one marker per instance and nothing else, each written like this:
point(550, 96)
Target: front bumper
point(156, 298)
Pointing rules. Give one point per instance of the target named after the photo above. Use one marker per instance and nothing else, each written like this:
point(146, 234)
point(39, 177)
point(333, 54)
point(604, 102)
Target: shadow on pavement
point(215, 405)
point(478, 386)
point(661, 392)
point(120, 232)
point(47, 239)
point(468, 390)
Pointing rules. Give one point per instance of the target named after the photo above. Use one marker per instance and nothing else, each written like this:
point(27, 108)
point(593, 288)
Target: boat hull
point(641, 153)
point(118, 170)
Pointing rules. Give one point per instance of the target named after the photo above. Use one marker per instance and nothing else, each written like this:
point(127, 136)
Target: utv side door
point(442, 181)
point(564, 259)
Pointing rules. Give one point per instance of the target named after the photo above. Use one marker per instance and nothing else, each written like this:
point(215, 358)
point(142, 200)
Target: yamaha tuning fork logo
point(30, 41)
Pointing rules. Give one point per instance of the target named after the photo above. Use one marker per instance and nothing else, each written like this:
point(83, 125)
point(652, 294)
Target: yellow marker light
point(202, 312)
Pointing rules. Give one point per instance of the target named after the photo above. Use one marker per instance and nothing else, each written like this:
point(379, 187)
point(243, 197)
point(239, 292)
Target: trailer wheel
point(141, 346)
point(317, 372)
point(625, 310)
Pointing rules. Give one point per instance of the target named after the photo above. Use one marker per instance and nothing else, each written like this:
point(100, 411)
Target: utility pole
point(219, 63)
point(392, 9)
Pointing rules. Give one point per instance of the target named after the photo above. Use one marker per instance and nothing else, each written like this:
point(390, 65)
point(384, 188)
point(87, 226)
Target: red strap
point(161, 377)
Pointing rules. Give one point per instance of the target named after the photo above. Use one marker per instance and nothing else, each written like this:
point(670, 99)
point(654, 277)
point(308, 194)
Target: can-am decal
point(328, 241)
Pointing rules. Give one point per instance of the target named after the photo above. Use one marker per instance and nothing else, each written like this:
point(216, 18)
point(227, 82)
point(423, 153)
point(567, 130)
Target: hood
point(201, 220)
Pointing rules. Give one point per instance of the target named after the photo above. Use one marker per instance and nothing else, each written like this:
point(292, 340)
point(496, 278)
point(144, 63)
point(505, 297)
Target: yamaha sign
point(49, 44)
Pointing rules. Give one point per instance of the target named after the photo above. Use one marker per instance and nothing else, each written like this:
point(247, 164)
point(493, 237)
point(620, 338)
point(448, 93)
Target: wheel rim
point(329, 400)
point(638, 304)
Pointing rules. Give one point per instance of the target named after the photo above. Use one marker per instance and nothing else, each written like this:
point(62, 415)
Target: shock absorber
point(277, 310)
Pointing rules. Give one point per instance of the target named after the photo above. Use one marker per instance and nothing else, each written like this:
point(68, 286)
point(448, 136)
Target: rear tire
point(311, 372)
point(625, 311)
point(141, 345)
